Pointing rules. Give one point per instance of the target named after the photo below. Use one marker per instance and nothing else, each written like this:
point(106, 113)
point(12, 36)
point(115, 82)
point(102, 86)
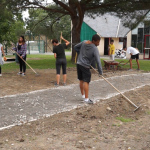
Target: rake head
point(137, 109)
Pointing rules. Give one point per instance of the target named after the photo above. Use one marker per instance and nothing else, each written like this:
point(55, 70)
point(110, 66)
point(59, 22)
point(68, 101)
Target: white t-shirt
point(1, 47)
point(132, 50)
point(1, 61)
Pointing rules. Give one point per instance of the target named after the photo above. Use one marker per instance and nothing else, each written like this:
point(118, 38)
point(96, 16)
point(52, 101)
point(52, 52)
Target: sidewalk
point(34, 105)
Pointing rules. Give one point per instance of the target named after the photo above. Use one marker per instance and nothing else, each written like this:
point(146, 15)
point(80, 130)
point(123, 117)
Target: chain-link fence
point(35, 44)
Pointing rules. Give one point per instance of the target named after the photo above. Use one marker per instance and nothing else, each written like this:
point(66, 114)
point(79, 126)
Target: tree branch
point(55, 22)
point(43, 7)
point(40, 22)
point(87, 1)
point(101, 6)
point(64, 6)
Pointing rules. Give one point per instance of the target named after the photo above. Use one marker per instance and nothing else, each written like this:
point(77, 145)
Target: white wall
point(118, 45)
point(101, 47)
point(129, 38)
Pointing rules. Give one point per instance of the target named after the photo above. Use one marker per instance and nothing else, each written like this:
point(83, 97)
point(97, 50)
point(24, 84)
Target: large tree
point(40, 22)
point(11, 24)
point(78, 8)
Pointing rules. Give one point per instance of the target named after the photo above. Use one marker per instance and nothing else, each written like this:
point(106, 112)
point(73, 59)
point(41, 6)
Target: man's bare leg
point(86, 89)
point(82, 87)
point(130, 63)
point(138, 64)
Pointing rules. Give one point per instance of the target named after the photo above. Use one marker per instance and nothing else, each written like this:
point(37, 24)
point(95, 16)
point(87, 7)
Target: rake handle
point(60, 36)
point(116, 89)
point(27, 63)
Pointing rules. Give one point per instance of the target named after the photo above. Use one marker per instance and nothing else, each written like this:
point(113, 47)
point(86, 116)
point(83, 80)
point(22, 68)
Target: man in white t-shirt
point(134, 52)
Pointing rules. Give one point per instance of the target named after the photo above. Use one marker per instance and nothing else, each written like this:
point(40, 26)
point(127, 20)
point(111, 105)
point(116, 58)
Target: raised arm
point(2, 51)
point(67, 42)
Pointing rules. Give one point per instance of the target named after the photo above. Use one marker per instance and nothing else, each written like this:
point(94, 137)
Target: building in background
point(108, 27)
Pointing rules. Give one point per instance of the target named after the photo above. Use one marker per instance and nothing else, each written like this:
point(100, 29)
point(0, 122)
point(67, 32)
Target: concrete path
point(31, 106)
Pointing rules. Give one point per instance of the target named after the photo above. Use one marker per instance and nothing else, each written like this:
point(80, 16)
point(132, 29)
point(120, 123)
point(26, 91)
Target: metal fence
point(35, 46)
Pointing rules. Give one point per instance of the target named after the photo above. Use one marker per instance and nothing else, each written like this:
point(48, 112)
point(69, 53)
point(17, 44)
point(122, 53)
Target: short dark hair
point(96, 37)
point(54, 41)
point(124, 47)
point(111, 40)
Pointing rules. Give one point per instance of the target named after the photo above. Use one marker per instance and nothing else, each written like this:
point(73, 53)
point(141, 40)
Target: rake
point(126, 98)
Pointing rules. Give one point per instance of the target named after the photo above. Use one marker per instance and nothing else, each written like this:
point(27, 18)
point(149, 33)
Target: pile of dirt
point(107, 125)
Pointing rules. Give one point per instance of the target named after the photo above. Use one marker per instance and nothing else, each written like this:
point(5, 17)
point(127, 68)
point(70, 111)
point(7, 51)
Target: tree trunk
point(76, 29)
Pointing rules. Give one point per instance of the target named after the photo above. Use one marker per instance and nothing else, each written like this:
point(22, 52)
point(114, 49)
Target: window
point(134, 40)
point(121, 39)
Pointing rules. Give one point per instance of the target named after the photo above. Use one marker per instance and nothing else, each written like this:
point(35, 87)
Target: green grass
point(124, 119)
point(37, 62)
point(116, 125)
point(144, 64)
point(148, 112)
point(42, 61)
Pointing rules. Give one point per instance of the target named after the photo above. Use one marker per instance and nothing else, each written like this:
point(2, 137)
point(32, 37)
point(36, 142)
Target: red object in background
point(146, 48)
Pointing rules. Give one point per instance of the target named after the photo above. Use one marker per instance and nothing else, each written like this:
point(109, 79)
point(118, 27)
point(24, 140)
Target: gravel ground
point(60, 119)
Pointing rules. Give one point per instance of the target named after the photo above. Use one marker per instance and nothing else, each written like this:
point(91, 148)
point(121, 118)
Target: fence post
point(39, 43)
point(46, 44)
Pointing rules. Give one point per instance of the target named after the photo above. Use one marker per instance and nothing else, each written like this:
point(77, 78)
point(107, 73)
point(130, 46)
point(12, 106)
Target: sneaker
point(130, 70)
point(19, 73)
point(89, 101)
point(83, 97)
point(23, 74)
point(0, 75)
point(56, 84)
point(64, 84)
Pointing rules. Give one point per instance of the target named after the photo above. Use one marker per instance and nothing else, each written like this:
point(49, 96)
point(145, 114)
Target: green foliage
point(48, 24)
point(11, 25)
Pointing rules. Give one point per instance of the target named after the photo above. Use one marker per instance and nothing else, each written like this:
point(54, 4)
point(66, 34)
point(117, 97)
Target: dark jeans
point(22, 64)
point(0, 70)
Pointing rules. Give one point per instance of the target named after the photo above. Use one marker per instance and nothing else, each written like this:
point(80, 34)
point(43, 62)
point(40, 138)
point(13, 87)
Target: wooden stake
point(60, 37)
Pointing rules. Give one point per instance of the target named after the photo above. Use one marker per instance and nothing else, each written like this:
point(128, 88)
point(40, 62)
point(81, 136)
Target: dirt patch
point(109, 124)
point(11, 83)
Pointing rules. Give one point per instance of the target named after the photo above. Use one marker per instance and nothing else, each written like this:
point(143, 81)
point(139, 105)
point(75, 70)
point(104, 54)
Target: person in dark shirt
point(59, 54)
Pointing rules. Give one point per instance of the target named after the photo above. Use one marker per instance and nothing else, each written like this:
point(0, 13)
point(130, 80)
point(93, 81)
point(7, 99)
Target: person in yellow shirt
point(112, 50)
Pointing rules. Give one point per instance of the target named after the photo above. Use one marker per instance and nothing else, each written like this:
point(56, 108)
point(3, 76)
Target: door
point(146, 52)
point(106, 44)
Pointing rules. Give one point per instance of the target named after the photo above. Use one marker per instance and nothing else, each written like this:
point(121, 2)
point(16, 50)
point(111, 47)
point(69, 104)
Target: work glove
point(5, 59)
